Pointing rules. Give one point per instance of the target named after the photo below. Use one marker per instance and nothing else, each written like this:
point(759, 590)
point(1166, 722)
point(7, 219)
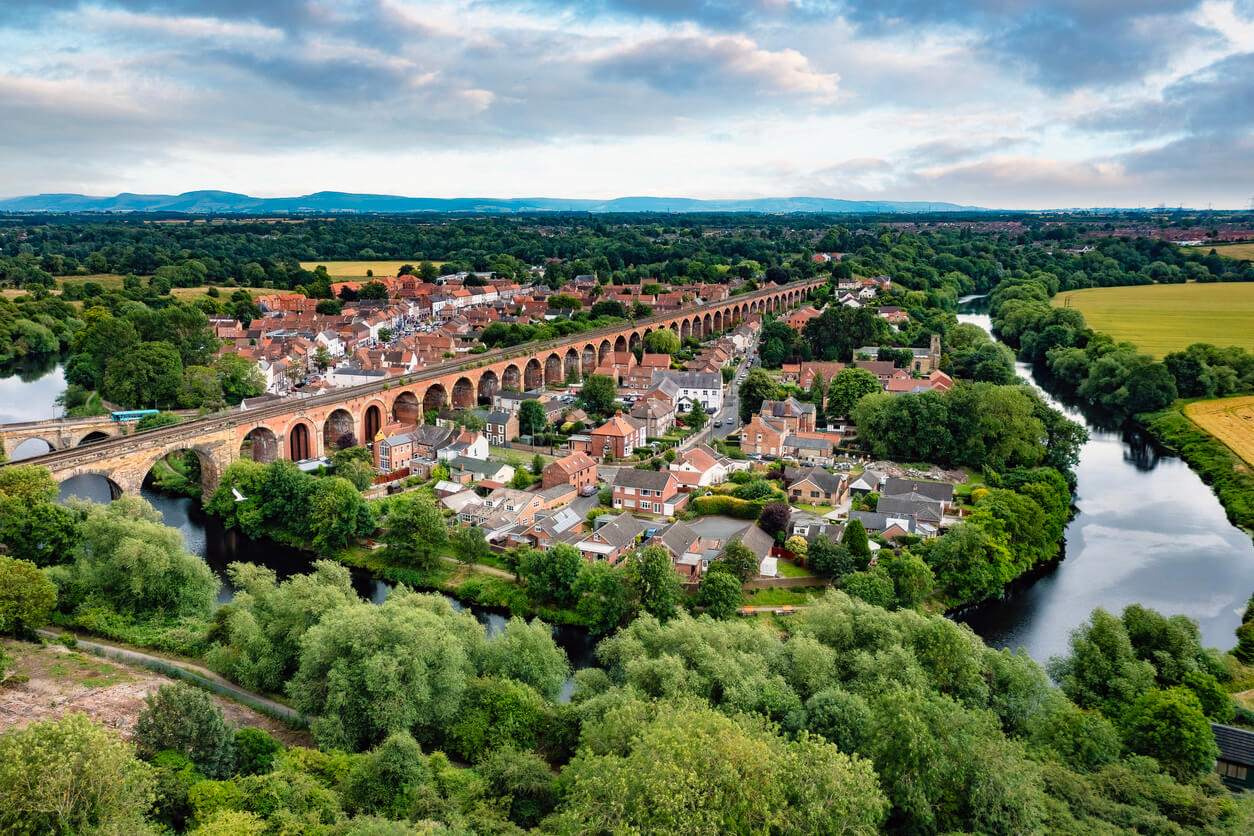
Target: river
point(1148, 531)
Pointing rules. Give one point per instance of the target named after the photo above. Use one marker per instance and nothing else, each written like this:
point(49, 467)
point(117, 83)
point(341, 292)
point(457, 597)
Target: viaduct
point(303, 428)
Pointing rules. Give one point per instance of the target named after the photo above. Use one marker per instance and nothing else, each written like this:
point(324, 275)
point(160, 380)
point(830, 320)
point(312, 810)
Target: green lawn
point(779, 597)
point(792, 570)
point(1163, 318)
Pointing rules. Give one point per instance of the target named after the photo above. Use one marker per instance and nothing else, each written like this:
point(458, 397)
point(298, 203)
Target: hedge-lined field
point(1231, 420)
point(1162, 318)
point(1231, 478)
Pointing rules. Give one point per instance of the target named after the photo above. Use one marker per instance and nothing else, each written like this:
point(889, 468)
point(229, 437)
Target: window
point(1230, 770)
point(646, 506)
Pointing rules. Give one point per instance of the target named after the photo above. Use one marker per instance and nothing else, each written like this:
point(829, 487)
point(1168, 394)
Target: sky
point(1017, 104)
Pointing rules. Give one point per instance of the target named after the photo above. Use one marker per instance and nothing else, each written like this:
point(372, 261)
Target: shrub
point(185, 720)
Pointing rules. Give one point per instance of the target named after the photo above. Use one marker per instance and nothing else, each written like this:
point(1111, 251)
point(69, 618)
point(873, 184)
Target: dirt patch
point(935, 474)
point(63, 680)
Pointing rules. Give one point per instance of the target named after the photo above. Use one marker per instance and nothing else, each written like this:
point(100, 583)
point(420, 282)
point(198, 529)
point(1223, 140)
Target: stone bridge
point(300, 428)
point(59, 433)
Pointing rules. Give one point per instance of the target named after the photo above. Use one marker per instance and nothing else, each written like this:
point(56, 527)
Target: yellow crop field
point(357, 269)
point(1237, 251)
point(1162, 318)
point(1231, 420)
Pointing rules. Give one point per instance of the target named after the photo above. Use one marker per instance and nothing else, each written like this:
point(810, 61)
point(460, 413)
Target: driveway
point(719, 528)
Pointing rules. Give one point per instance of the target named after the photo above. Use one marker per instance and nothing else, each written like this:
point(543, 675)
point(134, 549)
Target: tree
point(342, 514)
point(774, 515)
point(818, 392)
point(740, 560)
point(598, 394)
point(414, 531)
point(695, 417)
point(1171, 727)
point(912, 579)
point(828, 558)
point(188, 721)
point(855, 540)
point(329, 307)
point(537, 465)
point(373, 290)
point(531, 417)
point(1102, 670)
point(148, 374)
point(849, 387)
point(385, 335)
point(470, 545)
point(26, 596)
point(551, 575)
point(132, 562)
point(496, 714)
point(384, 780)
point(255, 751)
point(751, 782)
point(240, 379)
point(71, 776)
point(520, 480)
point(661, 341)
point(32, 525)
point(604, 600)
point(874, 587)
point(719, 593)
point(523, 782)
point(797, 545)
point(359, 473)
point(369, 671)
point(609, 307)
point(758, 386)
point(322, 357)
point(654, 581)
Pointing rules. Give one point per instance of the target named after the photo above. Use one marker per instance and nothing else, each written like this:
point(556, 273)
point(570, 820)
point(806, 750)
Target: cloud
point(731, 65)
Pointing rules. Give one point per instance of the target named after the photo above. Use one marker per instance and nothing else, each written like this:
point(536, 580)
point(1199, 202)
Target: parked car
point(588, 490)
point(718, 423)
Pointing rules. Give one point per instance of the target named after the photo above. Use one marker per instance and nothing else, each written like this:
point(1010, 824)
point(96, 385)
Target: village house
point(501, 427)
point(690, 554)
point(501, 510)
point(889, 526)
point(763, 437)
point(576, 469)
point(868, 481)
point(613, 539)
point(811, 448)
point(658, 414)
point(700, 466)
point(472, 445)
point(816, 486)
point(548, 529)
point(704, 388)
point(428, 438)
point(893, 314)
point(1235, 764)
point(617, 438)
point(916, 490)
point(465, 470)
point(797, 416)
point(797, 319)
point(393, 447)
point(648, 491)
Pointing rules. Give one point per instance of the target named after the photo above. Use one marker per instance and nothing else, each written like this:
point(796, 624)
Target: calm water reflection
point(1148, 531)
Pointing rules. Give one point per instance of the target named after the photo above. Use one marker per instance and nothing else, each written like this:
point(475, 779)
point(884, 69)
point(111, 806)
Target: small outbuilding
point(1235, 764)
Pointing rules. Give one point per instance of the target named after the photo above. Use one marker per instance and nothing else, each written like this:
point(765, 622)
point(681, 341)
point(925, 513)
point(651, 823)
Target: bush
point(255, 751)
point(185, 720)
point(730, 506)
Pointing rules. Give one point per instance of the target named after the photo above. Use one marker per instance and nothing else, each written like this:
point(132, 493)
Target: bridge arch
point(372, 421)
point(511, 379)
point(707, 325)
point(91, 484)
point(406, 408)
point(620, 344)
point(436, 396)
point(603, 351)
point(206, 473)
point(553, 370)
point(571, 363)
point(533, 374)
point(302, 440)
point(718, 321)
point(337, 430)
point(489, 385)
point(588, 359)
point(463, 393)
point(260, 444)
point(28, 447)
point(685, 330)
point(635, 341)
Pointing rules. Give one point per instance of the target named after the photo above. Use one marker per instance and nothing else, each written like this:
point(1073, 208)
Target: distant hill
point(205, 202)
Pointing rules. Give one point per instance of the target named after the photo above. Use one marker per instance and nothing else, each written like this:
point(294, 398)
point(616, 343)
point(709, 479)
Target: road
point(730, 414)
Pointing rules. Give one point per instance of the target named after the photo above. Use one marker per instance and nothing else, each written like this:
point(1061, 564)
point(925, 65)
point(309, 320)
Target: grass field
point(113, 281)
point(1163, 318)
point(1231, 420)
point(1237, 251)
point(357, 269)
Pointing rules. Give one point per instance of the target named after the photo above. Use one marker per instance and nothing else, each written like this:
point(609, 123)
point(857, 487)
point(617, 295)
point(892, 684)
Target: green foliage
point(604, 600)
point(831, 559)
point(527, 653)
point(661, 341)
point(385, 780)
point(739, 560)
point(26, 596)
point(71, 776)
point(653, 581)
point(531, 417)
point(260, 631)
point(470, 545)
point(342, 514)
point(188, 721)
point(848, 388)
point(414, 531)
point(719, 593)
point(521, 781)
point(1170, 727)
point(255, 751)
point(855, 540)
point(160, 419)
point(551, 575)
point(727, 506)
point(131, 562)
point(874, 587)
point(757, 386)
point(369, 671)
point(495, 714)
point(598, 395)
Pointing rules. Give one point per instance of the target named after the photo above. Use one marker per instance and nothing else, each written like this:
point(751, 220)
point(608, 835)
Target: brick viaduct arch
point(310, 427)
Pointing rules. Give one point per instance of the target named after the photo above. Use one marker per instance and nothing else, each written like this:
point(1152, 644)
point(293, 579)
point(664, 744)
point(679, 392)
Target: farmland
point(1231, 420)
point(1160, 319)
point(357, 269)
point(1237, 251)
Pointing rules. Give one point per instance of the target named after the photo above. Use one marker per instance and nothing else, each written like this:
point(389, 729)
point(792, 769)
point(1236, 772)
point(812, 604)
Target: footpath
point(189, 672)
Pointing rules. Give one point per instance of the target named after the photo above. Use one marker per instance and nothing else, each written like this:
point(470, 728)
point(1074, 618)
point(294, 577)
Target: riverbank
point(1231, 479)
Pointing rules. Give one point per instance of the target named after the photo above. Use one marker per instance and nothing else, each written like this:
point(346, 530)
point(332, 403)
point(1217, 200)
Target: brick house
point(576, 469)
point(763, 437)
point(648, 491)
point(501, 427)
point(617, 437)
point(393, 446)
point(816, 486)
point(612, 540)
point(798, 416)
